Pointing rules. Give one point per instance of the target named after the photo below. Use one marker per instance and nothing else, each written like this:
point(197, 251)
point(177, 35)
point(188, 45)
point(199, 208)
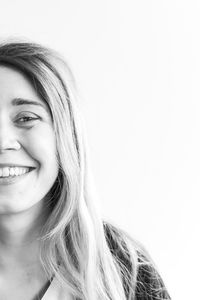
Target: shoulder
point(136, 265)
point(149, 282)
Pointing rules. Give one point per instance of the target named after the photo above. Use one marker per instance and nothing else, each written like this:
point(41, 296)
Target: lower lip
point(13, 179)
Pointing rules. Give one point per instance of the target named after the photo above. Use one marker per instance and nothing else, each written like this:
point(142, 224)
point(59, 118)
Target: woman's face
point(28, 165)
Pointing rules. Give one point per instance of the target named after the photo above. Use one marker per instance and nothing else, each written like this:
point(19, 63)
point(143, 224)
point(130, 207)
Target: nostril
point(15, 145)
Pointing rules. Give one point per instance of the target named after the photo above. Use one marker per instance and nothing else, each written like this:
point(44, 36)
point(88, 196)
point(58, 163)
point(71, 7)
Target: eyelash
point(26, 119)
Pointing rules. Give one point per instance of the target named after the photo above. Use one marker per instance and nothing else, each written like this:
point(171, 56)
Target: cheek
point(40, 137)
point(40, 144)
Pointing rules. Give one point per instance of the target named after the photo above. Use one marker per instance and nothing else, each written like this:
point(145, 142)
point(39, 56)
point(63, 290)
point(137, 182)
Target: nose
point(8, 139)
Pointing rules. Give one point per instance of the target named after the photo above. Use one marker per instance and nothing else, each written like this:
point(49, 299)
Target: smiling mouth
point(8, 172)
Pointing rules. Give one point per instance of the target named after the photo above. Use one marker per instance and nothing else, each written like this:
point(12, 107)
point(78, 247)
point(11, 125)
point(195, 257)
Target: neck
point(19, 236)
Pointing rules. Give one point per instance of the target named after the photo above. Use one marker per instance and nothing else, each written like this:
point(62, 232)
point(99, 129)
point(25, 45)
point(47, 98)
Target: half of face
point(28, 162)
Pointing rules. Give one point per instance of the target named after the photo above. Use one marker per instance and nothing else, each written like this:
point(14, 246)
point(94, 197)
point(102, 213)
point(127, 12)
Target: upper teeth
point(13, 171)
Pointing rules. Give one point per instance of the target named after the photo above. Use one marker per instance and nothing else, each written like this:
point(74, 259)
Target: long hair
point(74, 240)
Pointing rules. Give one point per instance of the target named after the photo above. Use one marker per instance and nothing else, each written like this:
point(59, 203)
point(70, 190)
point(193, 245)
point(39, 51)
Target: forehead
point(14, 84)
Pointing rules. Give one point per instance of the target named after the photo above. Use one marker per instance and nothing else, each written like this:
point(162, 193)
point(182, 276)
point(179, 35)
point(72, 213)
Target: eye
point(26, 119)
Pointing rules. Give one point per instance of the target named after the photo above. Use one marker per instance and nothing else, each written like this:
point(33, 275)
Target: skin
point(26, 138)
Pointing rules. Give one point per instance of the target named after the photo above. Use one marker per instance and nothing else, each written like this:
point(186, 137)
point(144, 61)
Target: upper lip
point(15, 165)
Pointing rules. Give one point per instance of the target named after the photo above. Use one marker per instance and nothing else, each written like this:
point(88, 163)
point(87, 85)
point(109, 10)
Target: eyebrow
point(22, 101)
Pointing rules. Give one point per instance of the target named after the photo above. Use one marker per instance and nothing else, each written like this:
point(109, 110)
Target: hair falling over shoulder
point(93, 259)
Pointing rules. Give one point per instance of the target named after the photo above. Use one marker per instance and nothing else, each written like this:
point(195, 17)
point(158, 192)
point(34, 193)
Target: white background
point(137, 65)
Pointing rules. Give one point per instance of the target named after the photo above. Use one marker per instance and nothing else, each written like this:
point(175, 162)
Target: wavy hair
point(74, 240)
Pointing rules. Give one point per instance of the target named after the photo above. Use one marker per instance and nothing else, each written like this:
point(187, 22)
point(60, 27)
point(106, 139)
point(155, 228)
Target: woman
point(53, 243)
